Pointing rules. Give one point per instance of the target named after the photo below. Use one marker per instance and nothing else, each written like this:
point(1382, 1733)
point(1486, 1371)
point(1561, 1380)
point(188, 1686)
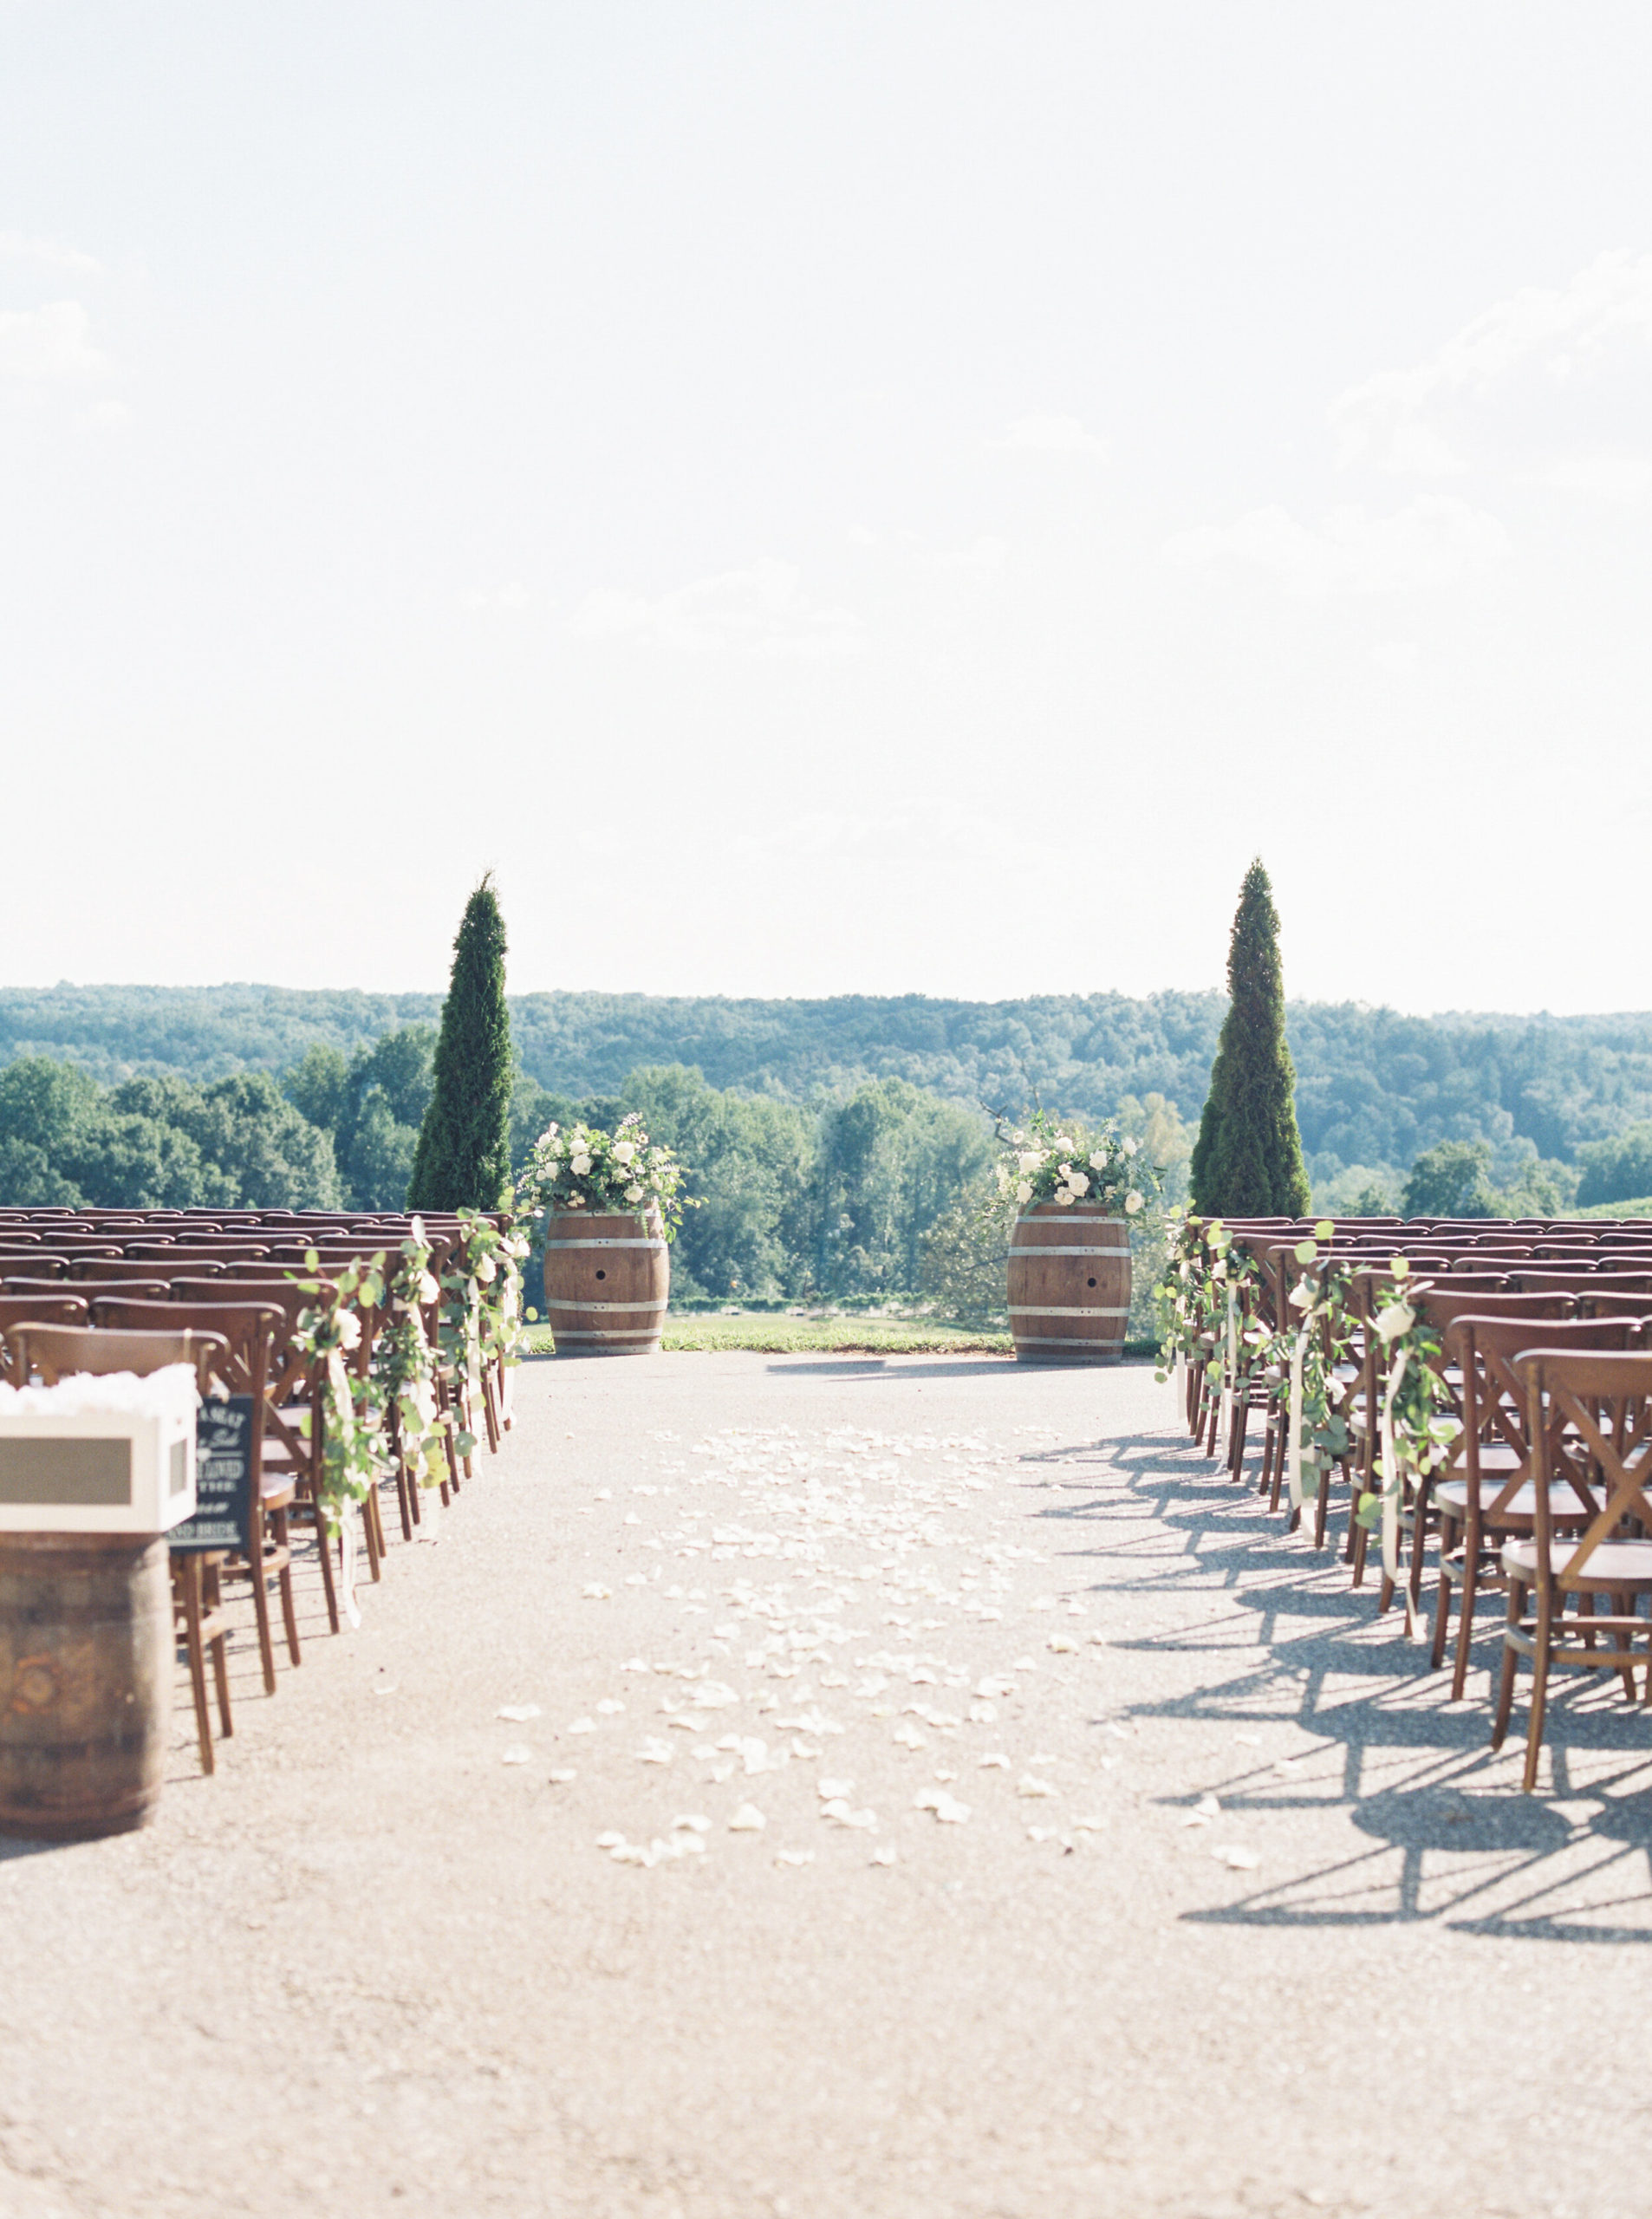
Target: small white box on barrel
point(99, 1455)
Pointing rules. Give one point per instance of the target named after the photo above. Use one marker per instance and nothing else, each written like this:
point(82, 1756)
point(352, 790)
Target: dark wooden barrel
point(608, 1279)
point(1069, 1285)
point(86, 1675)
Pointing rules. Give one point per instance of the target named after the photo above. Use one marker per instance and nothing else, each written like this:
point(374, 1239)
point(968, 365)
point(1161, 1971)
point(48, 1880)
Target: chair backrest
point(1492, 1395)
point(1442, 1300)
point(58, 1309)
point(110, 1271)
point(1589, 1416)
point(246, 1328)
point(60, 1351)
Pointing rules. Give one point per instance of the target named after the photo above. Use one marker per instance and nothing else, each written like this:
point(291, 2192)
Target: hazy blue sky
point(890, 496)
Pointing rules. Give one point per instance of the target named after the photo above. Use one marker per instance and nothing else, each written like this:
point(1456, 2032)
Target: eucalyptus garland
point(350, 1406)
point(404, 1363)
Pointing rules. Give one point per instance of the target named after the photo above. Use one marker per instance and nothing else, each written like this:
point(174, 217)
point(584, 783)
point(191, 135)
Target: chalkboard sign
point(222, 1516)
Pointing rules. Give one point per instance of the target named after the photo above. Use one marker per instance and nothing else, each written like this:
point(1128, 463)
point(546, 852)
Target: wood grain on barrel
point(1069, 1285)
point(86, 1675)
point(608, 1279)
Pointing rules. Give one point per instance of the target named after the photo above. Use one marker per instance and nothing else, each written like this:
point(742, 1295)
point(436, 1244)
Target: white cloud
point(1553, 384)
point(1053, 435)
point(1431, 542)
point(45, 345)
point(51, 254)
point(759, 611)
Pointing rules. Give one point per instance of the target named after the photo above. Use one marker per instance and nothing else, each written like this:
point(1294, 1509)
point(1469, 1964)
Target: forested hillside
point(1373, 1089)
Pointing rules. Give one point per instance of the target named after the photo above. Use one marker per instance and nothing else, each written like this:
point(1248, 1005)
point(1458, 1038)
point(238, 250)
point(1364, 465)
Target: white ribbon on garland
point(1393, 1495)
point(1293, 1442)
point(1230, 1366)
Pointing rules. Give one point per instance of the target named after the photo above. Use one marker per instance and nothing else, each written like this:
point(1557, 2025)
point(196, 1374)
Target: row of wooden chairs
point(1545, 1363)
point(134, 1292)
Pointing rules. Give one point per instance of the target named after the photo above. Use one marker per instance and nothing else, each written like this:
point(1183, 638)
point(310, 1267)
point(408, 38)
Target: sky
point(854, 495)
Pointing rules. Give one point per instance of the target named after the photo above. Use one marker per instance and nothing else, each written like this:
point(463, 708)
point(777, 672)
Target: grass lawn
point(782, 1336)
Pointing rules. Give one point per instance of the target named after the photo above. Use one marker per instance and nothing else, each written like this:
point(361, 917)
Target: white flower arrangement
point(1044, 1165)
point(585, 1168)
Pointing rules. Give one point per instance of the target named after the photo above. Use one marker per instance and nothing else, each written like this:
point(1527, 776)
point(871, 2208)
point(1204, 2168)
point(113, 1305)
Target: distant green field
point(772, 1335)
point(1641, 1207)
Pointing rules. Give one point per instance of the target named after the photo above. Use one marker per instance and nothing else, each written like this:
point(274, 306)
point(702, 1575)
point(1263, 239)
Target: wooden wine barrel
point(86, 1676)
point(1069, 1285)
point(608, 1279)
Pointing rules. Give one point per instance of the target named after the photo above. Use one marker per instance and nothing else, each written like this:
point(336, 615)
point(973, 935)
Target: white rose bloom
point(1132, 1203)
point(350, 1330)
point(633, 1193)
point(1131, 1147)
point(1023, 1191)
point(624, 1150)
point(1066, 1198)
point(1078, 1183)
point(485, 1271)
point(580, 1166)
point(1029, 1158)
point(1397, 1318)
point(1098, 1162)
point(575, 1201)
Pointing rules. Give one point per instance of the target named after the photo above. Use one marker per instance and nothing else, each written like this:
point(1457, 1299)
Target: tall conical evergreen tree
point(1247, 1160)
point(463, 1156)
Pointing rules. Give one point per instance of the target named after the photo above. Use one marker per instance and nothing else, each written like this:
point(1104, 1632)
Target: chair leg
point(1442, 1597)
point(1539, 1693)
point(212, 1596)
point(491, 1410)
point(324, 1554)
point(186, 1576)
point(1465, 1605)
point(1506, 1673)
point(259, 1571)
point(284, 1581)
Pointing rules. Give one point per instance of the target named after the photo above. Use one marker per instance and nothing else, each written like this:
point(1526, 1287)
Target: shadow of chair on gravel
point(1456, 1828)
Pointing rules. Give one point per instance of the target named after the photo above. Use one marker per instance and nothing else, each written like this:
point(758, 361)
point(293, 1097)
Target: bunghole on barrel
point(1069, 1285)
point(608, 1280)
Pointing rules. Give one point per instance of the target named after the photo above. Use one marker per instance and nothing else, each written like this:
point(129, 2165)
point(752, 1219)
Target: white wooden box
point(81, 1469)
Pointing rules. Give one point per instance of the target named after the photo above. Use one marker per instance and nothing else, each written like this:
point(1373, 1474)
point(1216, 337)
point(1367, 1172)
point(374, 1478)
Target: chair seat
point(1451, 1497)
point(1613, 1564)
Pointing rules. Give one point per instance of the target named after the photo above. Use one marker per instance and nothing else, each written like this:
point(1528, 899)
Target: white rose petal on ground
point(748, 1819)
point(517, 1753)
point(656, 1751)
point(636, 1664)
point(1238, 1860)
point(995, 1760)
point(609, 1706)
point(828, 1789)
point(584, 1726)
point(1060, 1644)
point(596, 1593)
point(561, 1775)
point(518, 1713)
point(947, 1809)
point(1028, 1785)
point(610, 1841)
point(795, 1857)
point(884, 1854)
point(693, 1822)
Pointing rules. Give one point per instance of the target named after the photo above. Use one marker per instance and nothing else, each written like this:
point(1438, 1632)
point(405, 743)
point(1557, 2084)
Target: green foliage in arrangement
point(1247, 1160)
point(462, 1160)
point(584, 1167)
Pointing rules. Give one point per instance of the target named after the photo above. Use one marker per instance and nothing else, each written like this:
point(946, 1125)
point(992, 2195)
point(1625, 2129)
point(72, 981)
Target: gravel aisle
point(886, 1789)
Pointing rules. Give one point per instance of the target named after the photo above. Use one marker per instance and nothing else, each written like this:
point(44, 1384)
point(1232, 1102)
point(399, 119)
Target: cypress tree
point(463, 1156)
point(1247, 1160)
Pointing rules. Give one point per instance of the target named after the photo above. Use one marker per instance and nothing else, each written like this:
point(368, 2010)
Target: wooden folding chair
point(1486, 1492)
point(249, 1328)
point(1590, 1420)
